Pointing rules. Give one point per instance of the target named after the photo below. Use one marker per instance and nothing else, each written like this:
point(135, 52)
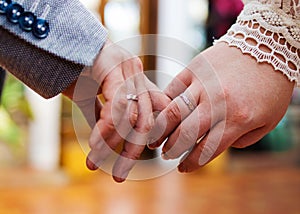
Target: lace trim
point(269, 35)
point(289, 7)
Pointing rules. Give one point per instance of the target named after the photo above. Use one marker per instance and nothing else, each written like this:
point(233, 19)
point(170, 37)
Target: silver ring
point(187, 101)
point(132, 97)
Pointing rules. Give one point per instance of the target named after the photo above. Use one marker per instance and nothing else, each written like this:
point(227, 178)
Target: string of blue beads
point(27, 21)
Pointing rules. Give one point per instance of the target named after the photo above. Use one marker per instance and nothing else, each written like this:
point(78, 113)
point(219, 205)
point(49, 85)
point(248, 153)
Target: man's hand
point(228, 100)
point(127, 113)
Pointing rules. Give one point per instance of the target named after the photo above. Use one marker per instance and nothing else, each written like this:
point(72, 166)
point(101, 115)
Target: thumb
point(90, 109)
point(85, 94)
point(158, 98)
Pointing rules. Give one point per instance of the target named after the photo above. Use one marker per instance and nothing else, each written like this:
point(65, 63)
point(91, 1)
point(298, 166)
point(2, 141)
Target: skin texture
point(237, 101)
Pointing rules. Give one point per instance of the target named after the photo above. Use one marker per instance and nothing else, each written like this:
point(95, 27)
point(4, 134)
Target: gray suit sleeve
point(49, 65)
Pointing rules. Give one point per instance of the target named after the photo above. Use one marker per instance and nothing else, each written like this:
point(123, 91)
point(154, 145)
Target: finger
point(92, 160)
point(123, 118)
point(106, 126)
point(132, 66)
point(115, 108)
point(105, 138)
point(91, 109)
point(96, 157)
point(85, 92)
point(101, 148)
point(190, 74)
point(167, 121)
point(172, 115)
point(159, 102)
point(136, 140)
point(179, 84)
point(213, 144)
point(126, 124)
point(196, 125)
point(158, 98)
point(126, 161)
point(145, 120)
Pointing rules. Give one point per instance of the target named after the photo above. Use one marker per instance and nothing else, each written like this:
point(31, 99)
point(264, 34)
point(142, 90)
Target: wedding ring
point(187, 101)
point(132, 97)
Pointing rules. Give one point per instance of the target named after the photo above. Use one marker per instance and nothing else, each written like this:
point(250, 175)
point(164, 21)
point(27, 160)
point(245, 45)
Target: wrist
point(237, 63)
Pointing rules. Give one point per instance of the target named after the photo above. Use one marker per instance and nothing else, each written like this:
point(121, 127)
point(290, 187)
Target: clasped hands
point(221, 99)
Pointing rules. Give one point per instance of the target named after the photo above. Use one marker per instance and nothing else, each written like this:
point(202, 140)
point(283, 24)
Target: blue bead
point(13, 12)
point(40, 28)
point(4, 5)
point(26, 21)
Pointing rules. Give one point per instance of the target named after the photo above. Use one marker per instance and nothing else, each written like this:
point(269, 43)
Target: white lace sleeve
point(269, 30)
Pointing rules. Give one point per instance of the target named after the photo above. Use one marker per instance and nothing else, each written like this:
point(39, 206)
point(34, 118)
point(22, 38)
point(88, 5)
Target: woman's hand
point(222, 99)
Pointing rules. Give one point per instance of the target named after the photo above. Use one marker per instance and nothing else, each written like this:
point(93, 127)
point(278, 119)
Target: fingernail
point(151, 144)
point(122, 178)
point(165, 156)
point(118, 180)
point(90, 165)
point(182, 168)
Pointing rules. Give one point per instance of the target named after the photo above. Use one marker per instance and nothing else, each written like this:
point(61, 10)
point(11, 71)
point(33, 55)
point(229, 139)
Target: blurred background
point(42, 161)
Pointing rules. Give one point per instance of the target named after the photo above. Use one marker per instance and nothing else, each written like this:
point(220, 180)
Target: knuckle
point(244, 115)
point(122, 103)
point(146, 126)
point(188, 136)
point(238, 109)
point(109, 126)
point(173, 113)
point(131, 155)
